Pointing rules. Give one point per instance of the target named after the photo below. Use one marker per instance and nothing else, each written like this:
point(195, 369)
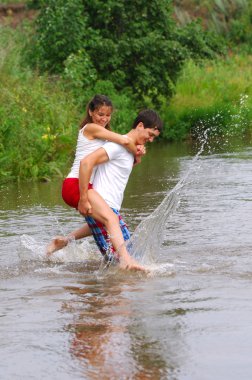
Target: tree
point(134, 43)
point(59, 32)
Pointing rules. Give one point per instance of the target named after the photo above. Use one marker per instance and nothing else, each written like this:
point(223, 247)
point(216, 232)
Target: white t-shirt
point(83, 148)
point(112, 177)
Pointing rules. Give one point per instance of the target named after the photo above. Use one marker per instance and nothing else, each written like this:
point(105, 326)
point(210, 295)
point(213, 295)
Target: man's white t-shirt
point(112, 177)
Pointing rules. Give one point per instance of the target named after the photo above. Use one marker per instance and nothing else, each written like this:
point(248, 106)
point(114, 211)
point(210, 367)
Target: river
point(189, 318)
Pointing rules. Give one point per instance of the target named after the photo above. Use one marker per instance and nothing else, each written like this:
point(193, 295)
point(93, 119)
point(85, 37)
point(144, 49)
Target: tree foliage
point(134, 44)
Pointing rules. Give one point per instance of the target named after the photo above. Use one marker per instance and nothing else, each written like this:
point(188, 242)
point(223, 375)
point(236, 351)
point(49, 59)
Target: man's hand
point(84, 207)
point(141, 150)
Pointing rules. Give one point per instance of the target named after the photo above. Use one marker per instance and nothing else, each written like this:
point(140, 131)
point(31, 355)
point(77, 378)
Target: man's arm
point(87, 165)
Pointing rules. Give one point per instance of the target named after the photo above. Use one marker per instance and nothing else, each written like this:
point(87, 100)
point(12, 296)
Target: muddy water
point(189, 318)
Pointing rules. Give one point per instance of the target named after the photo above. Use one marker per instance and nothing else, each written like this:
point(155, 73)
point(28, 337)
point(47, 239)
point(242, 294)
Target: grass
point(38, 120)
point(221, 89)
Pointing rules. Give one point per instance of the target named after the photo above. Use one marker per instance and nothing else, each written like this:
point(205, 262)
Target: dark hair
point(94, 104)
point(149, 118)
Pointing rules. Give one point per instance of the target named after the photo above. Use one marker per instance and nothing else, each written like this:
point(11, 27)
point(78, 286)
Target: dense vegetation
point(134, 44)
point(137, 55)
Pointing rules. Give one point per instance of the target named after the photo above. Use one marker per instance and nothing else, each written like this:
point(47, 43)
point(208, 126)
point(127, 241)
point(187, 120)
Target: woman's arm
point(141, 151)
point(87, 165)
point(98, 132)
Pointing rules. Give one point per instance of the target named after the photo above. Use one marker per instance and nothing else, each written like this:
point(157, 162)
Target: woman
point(94, 130)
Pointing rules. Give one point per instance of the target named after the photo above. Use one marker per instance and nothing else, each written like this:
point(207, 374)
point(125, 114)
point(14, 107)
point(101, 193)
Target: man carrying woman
point(100, 196)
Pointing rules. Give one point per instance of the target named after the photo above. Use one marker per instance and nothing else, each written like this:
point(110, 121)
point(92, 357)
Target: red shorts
point(71, 191)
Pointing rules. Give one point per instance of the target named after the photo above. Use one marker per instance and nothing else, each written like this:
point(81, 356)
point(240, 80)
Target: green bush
point(207, 45)
point(134, 44)
point(60, 29)
point(37, 117)
point(79, 71)
point(34, 4)
point(215, 95)
point(240, 32)
point(36, 128)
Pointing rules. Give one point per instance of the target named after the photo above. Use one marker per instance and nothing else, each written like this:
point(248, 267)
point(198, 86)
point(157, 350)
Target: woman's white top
point(112, 176)
point(84, 147)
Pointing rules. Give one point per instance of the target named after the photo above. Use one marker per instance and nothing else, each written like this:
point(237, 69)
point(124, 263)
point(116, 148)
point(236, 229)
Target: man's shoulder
point(110, 143)
point(116, 151)
point(112, 146)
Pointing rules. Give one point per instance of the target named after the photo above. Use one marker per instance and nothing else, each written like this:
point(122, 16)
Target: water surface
point(190, 318)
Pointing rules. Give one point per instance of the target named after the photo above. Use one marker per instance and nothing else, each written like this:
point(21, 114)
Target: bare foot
point(130, 264)
point(57, 243)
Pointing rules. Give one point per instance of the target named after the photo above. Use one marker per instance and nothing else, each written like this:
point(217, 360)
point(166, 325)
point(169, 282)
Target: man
point(114, 167)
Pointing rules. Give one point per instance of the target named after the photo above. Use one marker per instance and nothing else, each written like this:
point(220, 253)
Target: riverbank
point(42, 112)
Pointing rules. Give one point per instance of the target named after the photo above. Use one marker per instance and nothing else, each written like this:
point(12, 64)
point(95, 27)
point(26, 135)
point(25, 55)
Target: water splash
point(36, 251)
point(225, 125)
point(161, 270)
point(148, 236)
point(33, 248)
point(145, 243)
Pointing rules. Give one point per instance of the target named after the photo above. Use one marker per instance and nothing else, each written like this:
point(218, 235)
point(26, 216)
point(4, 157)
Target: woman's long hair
point(94, 104)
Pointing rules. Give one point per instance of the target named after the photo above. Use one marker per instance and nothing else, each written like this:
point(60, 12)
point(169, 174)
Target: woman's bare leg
point(60, 242)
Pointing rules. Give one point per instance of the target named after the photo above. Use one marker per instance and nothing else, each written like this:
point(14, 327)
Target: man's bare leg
point(104, 214)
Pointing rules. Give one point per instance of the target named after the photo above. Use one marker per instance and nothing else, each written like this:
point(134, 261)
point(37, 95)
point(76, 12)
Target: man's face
point(147, 135)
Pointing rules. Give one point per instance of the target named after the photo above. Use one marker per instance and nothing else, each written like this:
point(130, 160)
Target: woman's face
point(101, 115)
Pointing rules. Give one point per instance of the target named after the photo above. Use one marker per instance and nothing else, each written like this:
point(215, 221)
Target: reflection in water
point(107, 337)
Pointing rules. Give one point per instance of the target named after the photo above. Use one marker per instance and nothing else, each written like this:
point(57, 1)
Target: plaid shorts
point(102, 237)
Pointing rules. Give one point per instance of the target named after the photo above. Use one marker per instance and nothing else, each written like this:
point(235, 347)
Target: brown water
point(190, 318)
